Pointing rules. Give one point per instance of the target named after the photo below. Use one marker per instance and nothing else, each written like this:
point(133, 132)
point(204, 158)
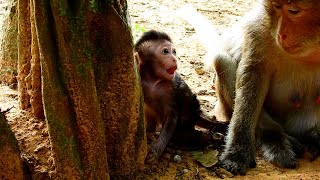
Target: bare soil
point(32, 134)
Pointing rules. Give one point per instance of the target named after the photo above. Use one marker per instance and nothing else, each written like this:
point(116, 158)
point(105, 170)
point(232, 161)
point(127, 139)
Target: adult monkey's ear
point(138, 59)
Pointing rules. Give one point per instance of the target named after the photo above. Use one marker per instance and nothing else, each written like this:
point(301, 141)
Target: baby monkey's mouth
point(171, 70)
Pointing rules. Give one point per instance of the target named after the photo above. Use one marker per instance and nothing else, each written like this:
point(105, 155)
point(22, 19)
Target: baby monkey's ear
point(138, 60)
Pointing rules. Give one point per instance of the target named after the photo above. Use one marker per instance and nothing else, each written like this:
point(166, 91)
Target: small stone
point(200, 71)
point(177, 158)
point(185, 171)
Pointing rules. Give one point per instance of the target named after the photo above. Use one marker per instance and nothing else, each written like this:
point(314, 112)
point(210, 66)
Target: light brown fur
point(268, 84)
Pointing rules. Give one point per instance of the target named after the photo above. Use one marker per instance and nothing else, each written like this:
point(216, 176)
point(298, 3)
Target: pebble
point(199, 71)
point(177, 158)
point(185, 171)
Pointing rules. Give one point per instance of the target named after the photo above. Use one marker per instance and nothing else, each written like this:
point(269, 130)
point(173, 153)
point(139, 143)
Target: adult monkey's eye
point(174, 51)
point(294, 11)
point(276, 6)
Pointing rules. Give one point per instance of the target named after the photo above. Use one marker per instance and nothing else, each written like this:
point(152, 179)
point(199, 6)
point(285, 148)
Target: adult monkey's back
point(268, 84)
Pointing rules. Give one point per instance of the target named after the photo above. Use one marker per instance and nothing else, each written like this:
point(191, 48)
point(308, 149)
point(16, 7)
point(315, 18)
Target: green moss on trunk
point(91, 90)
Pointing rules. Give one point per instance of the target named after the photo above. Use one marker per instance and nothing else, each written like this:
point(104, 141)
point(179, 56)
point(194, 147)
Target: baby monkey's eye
point(174, 52)
point(165, 51)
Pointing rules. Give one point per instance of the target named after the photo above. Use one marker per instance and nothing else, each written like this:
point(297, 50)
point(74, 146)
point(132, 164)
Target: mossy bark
point(118, 89)
point(90, 88)
point(11, 164)
point(9, 48)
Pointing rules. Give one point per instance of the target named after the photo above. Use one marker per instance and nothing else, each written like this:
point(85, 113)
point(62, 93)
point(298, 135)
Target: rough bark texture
point(29, 70)
point(34, 76)
point(11, 164)
point(9, 49)
point(24, 53)
point(118, 88)
point(91, 92)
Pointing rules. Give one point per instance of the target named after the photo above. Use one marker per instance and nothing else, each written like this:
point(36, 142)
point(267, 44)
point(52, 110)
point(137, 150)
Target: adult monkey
point(268, 84)
point(277, 82)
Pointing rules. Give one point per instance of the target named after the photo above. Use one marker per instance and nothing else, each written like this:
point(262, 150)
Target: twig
point(6, 111)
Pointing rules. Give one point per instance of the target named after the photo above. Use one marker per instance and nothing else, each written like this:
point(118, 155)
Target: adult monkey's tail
point(207, 34)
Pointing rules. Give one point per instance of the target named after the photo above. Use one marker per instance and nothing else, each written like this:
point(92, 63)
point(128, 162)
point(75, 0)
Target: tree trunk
point(11, 164)
point(29, 72)
point(24, 53)
point(9, 48)
point(90, 87)
point(34, 76)
point(118, 87)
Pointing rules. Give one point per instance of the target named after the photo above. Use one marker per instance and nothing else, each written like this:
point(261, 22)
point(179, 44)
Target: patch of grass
point(136, 27)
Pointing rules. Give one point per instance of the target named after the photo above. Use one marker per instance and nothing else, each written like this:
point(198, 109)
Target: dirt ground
point(32, 134)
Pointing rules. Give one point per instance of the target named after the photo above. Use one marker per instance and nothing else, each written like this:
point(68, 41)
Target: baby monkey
point(168, 100)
